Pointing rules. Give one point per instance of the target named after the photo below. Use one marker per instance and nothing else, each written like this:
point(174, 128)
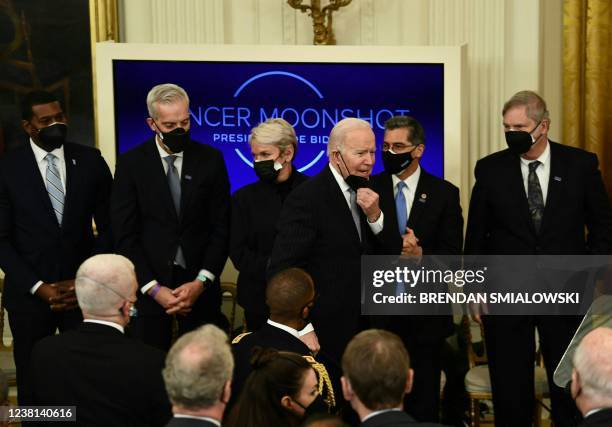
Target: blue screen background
point(227, 99)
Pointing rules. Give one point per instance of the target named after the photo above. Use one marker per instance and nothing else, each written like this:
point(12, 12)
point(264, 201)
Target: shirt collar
point(162, 152)
point(382, 411)
point(104, 322)
point(411, 182)
point(285, 328)
point(341, 182)
point(40, 154)
point(544, 157)
point(194, 417)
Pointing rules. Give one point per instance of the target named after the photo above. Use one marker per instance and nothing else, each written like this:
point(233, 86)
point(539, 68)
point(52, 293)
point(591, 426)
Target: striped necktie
point(54, 187)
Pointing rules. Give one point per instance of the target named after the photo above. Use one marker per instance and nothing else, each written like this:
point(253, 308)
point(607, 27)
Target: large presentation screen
point(232, 89)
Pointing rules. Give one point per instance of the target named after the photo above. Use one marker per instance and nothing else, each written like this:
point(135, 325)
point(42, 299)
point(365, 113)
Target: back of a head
point(288, 292)
point(36, 97)
point(198, 366)
point(103, 282)
point(274, 374)
point(377, 365)
point(324, 420)
point(593, 364)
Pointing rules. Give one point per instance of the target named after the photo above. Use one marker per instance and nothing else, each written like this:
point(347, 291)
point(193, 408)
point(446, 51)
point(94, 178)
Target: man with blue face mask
point(425, 215)
point(50, 191)
point(535, 198)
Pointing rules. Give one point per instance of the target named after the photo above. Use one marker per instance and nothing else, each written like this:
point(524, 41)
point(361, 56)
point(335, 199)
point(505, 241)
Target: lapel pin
point(423, 198)
point(188, 177)
point(74, 162)
point(557, 178)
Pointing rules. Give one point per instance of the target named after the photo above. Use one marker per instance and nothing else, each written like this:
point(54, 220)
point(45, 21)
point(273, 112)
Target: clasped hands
point(181, 299)
point(59, 295)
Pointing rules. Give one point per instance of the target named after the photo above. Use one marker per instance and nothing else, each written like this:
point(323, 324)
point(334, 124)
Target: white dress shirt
point(104, 322)
point(178, 164)
point(382, 411)
point(41, 162)
point(542, 171)
point(307, 329)
point(409, 190)
point(212, 420)
point(376, 226)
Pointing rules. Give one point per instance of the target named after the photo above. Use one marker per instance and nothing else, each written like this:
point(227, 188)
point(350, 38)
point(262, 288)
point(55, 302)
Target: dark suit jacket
point(33, 246)
point(316, 232)
point(395, 419)
point(598, 419)
point(112, 379)
point(267, 337)
point(435, 217)
point(147, 229)
point(499, 220)
point(189, 422)
point(255, 211)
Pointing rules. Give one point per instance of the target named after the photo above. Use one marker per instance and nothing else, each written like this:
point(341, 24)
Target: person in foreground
point(282, 390)
point(592, 378)
point(377, 375)
point(112, 380)
point(198, 377)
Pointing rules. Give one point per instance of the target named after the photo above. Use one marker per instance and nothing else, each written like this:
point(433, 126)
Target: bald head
point(103, 283)
point(288, 292)
point(593, 367)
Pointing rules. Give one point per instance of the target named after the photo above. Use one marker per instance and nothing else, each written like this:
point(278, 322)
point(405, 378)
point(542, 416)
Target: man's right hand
point(165, 298)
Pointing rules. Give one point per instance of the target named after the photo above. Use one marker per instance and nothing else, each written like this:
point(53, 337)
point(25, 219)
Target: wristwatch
point(202, 277)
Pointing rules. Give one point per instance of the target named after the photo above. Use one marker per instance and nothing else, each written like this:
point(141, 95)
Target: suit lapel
point(159, 183)
point(387, 199)
point(338, 202)
point(516, 189)
point(71, 178)
point(421, 198)
point(188, 174)
point(36, 182)
point(558, 171)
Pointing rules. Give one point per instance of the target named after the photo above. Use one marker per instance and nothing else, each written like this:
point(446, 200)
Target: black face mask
point(176, 140)
point(396, 163)
point(519, 141)
point(317, 406)
point(266, 170)
point(52, 137)
point(354, 181)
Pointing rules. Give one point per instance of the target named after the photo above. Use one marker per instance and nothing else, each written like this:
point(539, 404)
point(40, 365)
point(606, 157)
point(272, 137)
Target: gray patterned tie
point(355, 211)
point(54, 187)
point(174, 182)
point(534, 196)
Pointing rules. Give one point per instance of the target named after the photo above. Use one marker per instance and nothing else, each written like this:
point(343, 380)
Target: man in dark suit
point(424, 210)
point(326, 225)
point(591, 385)
point(170, 216)
point(50, 190)
point(198, 377)
point(112, 380)
point(377, 374)
point(534, 198)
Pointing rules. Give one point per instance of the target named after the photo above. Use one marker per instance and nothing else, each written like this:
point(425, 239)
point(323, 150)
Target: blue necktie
point(402, 219)
point(54, 187)
point(174, 182)
point(401, 208)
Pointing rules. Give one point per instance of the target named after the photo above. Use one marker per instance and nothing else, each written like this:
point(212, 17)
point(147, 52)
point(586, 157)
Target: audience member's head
point(290, 296)
point(198, 373)
point(324, 420)
point(592, 376)
point(281, 390)
point(105, 287)
point(377, 372)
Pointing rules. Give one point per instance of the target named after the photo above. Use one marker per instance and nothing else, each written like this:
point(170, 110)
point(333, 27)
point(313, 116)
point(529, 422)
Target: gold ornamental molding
point(321, 18)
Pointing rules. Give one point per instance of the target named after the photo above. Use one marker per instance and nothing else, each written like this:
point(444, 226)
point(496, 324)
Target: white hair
point(103, 283)
point(593, 363)
point(198, 366)
point(167, 93)
point(337, 137)
point(277, 132)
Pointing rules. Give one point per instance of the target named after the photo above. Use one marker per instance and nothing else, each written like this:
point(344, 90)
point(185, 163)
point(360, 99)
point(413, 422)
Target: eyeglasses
point(397, 147)
point(132, 311)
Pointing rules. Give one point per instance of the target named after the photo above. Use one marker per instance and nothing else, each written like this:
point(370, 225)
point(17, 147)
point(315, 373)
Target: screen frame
point(452, 57)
